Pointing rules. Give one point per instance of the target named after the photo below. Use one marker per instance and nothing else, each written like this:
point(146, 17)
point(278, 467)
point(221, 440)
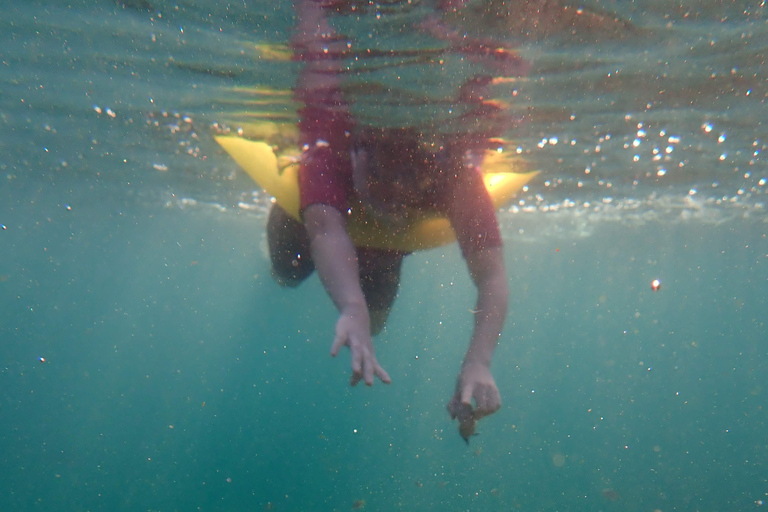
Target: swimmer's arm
point(473, 217)
point(334, 256)
point(486, 266)
point(336, 262)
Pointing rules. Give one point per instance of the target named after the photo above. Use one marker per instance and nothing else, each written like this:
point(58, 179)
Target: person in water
point(395, 174)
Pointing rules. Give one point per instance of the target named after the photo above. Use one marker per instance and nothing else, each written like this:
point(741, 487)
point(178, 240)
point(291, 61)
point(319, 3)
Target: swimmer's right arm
point(336, 262)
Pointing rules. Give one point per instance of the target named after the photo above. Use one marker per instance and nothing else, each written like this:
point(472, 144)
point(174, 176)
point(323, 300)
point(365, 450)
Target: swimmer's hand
point(474, 381)
point(336, 261)
point(353, 330)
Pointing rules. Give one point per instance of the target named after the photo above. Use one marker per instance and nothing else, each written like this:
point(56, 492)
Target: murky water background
point(148, 361)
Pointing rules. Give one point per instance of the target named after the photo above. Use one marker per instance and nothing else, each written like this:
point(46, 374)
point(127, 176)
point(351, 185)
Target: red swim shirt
point(402, 174)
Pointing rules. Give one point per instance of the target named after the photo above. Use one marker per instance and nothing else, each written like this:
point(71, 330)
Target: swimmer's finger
point(381, 374)
point(488, 401)
point(357, 366)
point(452, 407)
point(455, 408)
point(338, 342)
point(466, 394)
point(368, 372)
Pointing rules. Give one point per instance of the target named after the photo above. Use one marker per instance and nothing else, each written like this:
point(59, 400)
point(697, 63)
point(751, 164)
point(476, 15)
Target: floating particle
point(655, 285)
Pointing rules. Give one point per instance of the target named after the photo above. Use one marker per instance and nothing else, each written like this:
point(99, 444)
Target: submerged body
point(395, 175)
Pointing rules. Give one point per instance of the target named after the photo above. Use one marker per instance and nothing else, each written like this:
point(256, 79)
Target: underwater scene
point(150, 362)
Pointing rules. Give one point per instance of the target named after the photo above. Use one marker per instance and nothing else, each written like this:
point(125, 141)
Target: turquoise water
point(149, 362)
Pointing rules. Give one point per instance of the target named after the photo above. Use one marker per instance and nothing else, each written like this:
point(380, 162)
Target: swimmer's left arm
point(473, 218)
point(486, 267)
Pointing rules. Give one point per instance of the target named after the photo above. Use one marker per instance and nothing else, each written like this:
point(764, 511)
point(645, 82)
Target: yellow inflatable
point(278, 176)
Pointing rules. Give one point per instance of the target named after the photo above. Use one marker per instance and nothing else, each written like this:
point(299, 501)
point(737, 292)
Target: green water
point(178, 376)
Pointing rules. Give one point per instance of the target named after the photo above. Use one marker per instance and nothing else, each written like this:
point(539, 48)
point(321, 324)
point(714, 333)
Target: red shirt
point(401, 175)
